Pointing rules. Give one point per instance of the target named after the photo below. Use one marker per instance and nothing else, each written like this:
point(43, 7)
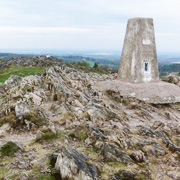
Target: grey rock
point(2, 90)
point(13, 81)
point(52, 128)
point(97, 133)
point(157, 124)
point(56, 84)
point(126, 175)
point(116, 177)
point(138, 156)
point(20, 110)
point(147, 132)
point(39, 135)
point(113, 153)
point(73, 164)
point(4, 128)
point(159, 150)
point(174, 176)
point(172, 147)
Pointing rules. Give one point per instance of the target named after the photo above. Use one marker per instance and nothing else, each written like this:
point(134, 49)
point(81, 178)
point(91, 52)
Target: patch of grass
point(3, 172)
point(82, 135)
point(19, 71)
point(44, 130)
point(3, 96)
point(140, 176)
point(14, 176)
point(48, 136)
point(93, 153)
point(89, 163)
point(124, 101)
point(40, 176)
point(65, 133)
point(108, 169)
point(96, 72)
point(10, 118)
point(91, 150)
point(116, 164)
point(35, 118)
point(8, 149)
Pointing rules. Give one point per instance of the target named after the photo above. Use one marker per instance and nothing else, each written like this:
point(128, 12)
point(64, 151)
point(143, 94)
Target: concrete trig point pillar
point(139, 59)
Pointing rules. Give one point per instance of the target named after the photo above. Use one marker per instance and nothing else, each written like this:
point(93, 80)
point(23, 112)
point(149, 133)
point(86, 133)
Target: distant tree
point(95, 65)
point(84, 63)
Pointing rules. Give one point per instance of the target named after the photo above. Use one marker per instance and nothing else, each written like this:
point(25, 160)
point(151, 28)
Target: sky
point(84, 24)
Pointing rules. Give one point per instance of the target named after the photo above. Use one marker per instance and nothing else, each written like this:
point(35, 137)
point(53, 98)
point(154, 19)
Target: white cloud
point(84, 23)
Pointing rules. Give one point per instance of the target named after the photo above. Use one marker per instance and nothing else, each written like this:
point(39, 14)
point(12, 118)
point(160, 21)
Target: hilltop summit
point(60, 126)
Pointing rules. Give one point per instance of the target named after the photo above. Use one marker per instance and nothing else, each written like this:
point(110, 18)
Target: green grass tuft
point(10, 118)
point(48, 136)
point(35, 118)
point(116, 164)
point(8, 149)
point(140, 176)
point(40, 176)
point(82, 135)
point(3, 172)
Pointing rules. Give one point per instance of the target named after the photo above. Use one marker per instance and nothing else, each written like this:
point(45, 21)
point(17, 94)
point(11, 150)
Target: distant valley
point(168, 63)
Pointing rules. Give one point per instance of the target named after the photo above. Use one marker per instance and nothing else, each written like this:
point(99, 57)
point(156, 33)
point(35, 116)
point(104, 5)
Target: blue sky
point(84, 24)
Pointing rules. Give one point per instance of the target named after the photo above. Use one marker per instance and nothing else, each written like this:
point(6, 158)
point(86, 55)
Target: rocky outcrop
point(104, 135)
point(57, 84)
point(13, 81)
point(72, 164)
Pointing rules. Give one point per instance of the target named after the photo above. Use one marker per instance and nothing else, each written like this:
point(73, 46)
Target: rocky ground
point(40, 61)
point(58, 125)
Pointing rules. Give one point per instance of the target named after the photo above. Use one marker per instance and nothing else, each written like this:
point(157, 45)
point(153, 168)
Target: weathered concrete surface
point(139, 51)
point(152, 92)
